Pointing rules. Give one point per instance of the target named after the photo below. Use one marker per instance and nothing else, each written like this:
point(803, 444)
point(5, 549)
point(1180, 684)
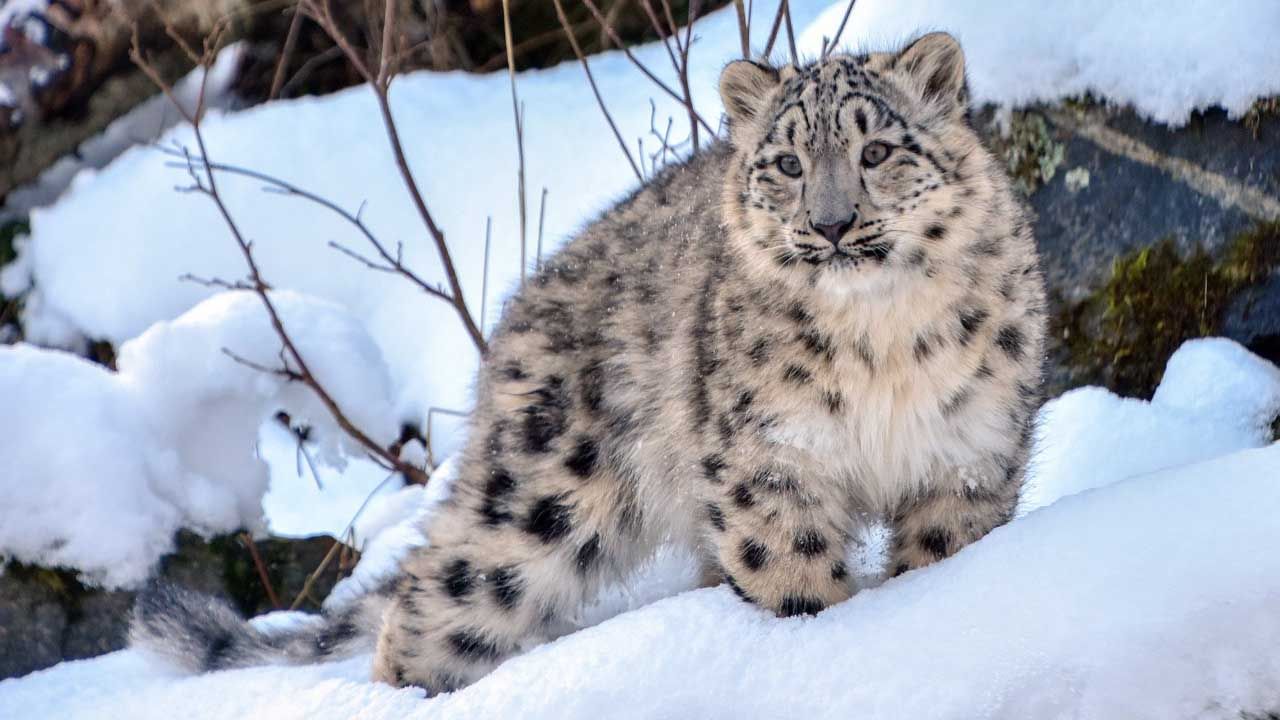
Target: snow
point(1166, 59)
point(1164, 608)
point(90, 274)
point(1216, 398)
point(1136, 581)
point(1138, 594)
point(100, 468)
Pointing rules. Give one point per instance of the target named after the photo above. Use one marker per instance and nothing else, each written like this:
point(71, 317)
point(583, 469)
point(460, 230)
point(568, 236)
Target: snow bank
point(1163, 608)
point(100, 468)
point(1166, 59)
point(1216, 397)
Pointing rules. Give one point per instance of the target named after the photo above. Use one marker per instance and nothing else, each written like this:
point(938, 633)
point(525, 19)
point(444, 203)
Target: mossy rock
point(1157, 298)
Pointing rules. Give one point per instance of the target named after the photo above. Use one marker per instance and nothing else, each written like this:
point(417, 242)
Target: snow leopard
point(833, 314)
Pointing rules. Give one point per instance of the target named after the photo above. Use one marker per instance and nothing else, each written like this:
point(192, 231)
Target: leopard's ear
point(745, 87)
point(934, 66)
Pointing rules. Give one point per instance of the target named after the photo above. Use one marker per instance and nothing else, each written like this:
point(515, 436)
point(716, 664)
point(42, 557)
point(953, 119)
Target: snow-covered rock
point(99, 469)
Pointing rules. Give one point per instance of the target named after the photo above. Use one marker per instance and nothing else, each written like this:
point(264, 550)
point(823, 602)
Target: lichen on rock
point(1157, 298)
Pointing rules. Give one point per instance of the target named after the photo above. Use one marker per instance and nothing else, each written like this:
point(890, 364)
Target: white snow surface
point(1216, 397)
point(100, 468)
point(1163, 608)
point(1151, 595)
point(1166, 59)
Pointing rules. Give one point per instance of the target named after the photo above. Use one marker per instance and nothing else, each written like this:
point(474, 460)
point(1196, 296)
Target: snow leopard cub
point(835, 314)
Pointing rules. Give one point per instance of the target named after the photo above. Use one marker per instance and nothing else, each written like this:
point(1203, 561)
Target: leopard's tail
point(200, 633)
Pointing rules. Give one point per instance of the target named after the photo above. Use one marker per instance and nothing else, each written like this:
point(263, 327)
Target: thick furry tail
point(200, 633)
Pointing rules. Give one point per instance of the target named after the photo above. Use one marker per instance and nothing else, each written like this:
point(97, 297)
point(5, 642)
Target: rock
point(47, 615)
point(1105, 205)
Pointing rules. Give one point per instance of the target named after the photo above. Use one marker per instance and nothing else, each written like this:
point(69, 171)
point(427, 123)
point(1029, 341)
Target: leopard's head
point(854, 169)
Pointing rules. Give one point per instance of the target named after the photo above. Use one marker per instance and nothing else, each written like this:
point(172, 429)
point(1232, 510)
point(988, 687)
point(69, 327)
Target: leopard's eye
point(875, 153)
point(789, 165)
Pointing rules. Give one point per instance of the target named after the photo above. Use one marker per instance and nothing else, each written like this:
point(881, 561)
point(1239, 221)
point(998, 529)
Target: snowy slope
point(1164, 608)
point(1151, 596)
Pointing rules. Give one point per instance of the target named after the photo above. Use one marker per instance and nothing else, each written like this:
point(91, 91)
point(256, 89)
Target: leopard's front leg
point(779, 530)
point(936, 522)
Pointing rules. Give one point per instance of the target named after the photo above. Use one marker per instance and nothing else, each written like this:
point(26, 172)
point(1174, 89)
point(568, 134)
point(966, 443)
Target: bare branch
point(791, 33)
point(542, 216)
point(484, 274)
point(282, 65)
point(613, 35)
point(293, 366)
point(515, 109)
point(380, 91)
point(393, 263)
point(261, 567)
point(214, 282)
point(744, 31)
point(586, 68)
point(827, 48)
point(773, 30)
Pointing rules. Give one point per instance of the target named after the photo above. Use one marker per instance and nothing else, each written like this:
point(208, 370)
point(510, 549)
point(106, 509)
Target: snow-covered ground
point(1150, 596)
point(1137, 581)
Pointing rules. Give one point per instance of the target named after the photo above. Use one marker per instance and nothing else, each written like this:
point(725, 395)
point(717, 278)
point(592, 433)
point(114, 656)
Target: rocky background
point(1150, 235)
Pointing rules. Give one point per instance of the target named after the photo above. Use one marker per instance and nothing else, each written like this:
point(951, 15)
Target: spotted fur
point(748, 357)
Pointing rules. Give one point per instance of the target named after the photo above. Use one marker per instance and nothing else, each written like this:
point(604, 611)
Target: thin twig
point(516, 110)
point(484, 276)
point(283, 187)
point(282, 65)
point(773, 30)
point(261, 567)
point(542, 216)
point(307, 584)
point(744, 33)
point(294, 366)
point(604, 24)
point(839, 30)
point(586, 68)
point(791, 33)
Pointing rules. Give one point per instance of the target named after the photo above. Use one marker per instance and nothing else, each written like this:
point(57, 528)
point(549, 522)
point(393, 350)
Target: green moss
point(1156, 299)
point(1030, 152)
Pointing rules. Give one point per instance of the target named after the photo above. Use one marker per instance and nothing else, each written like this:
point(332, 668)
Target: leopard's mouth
point(847, 255)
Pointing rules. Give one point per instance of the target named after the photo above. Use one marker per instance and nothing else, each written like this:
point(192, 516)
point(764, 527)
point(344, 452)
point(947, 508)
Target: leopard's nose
point(833, 231)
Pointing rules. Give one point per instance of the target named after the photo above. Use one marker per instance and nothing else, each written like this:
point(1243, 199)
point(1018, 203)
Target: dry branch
point(293, 365)
point(613, 35)
point(828, 47)
point(586, 68)
point(519, 118)
point(380, 83)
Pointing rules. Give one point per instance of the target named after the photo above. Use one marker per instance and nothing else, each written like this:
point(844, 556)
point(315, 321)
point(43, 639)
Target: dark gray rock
point(47, 615)
point(1126, 205)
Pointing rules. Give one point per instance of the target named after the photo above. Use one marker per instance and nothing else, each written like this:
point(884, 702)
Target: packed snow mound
point(100, 469)
point(1165, 59)
point(1216, 397)
point(1151, 598)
